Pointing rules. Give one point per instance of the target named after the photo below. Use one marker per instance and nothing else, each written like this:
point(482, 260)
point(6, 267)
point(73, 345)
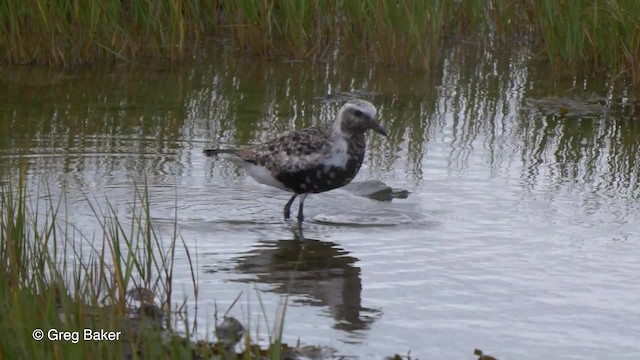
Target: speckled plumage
point(310, 160)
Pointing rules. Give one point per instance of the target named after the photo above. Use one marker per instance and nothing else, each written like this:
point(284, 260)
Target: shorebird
point(311, 160)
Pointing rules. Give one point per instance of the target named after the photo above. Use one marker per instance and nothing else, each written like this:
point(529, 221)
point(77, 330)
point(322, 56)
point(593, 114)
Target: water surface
point(520, 236)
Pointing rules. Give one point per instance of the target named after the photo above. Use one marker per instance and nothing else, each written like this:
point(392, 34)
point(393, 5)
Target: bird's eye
point(358, 113)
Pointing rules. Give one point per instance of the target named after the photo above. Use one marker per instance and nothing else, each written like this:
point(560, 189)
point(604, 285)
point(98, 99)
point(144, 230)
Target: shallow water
point(520, 235)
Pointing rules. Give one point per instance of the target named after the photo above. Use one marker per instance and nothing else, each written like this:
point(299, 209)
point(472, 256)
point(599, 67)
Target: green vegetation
point(63, 33)
point(54, 278)
point(408, 33)
point(570, 34)
point(595, 34)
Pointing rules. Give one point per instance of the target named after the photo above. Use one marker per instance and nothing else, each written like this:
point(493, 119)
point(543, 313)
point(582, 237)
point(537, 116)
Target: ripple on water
point(364, 218)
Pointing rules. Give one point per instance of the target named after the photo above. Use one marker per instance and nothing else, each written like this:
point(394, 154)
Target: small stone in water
point(229, 332)
point(376, 190)
point(141, 294)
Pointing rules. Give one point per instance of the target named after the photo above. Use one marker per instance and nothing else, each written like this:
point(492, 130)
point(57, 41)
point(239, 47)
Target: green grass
point(590, 34)
point(64, 33)
point(572, 34)
point(53, 277)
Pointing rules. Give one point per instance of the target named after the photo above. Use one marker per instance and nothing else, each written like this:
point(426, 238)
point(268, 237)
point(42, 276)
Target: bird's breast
point(335, 170)
point(320, 178)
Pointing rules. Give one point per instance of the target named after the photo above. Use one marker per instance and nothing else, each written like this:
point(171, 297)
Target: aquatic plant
point(589, 33)
point(63, 33)
point(60, 291)
point(573, 34)
point(75, 284)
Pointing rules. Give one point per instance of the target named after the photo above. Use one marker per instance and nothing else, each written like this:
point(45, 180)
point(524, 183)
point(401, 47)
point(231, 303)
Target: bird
point(310, 160)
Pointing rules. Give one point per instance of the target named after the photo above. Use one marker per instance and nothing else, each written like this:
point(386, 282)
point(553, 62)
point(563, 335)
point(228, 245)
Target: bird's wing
point(291, 152)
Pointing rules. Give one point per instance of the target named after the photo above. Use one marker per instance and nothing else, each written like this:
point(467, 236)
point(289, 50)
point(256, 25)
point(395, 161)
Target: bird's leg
point(300, 216)
point(287, 208)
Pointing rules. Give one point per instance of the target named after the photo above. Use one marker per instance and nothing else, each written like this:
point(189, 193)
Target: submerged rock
point(229, 332)
point(377, 190)
point(569, 107)
point(482, 356)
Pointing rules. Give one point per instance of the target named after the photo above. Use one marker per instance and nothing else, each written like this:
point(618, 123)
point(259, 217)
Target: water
point(520, 235)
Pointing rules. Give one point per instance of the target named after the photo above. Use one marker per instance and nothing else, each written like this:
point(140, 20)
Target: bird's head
point(356, 116)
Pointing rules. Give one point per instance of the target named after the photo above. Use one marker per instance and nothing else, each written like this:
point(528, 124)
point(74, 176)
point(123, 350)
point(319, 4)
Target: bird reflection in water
point(321, 272)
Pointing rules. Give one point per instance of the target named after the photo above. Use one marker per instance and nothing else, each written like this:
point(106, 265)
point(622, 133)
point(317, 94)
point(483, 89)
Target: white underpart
point(263, 175)
point(258, 172)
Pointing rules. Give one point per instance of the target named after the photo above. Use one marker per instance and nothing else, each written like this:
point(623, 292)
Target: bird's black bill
point(379, 129)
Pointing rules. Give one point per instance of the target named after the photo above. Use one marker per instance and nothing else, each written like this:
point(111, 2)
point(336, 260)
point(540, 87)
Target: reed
point(43, 267)
point(52, 277)
point(65, 33)
point(590, 34)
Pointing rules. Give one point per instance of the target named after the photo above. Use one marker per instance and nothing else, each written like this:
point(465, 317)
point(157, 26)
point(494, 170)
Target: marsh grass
point(576, 35)
point(63, 33)
point(592, 34)
point(53, 277)
point(572, 34)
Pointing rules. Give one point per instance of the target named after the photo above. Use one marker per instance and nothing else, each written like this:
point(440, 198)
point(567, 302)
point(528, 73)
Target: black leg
point(300, 215)
point(287, 208)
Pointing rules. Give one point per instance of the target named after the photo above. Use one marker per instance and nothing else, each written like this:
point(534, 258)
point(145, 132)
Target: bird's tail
point(215, 152)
